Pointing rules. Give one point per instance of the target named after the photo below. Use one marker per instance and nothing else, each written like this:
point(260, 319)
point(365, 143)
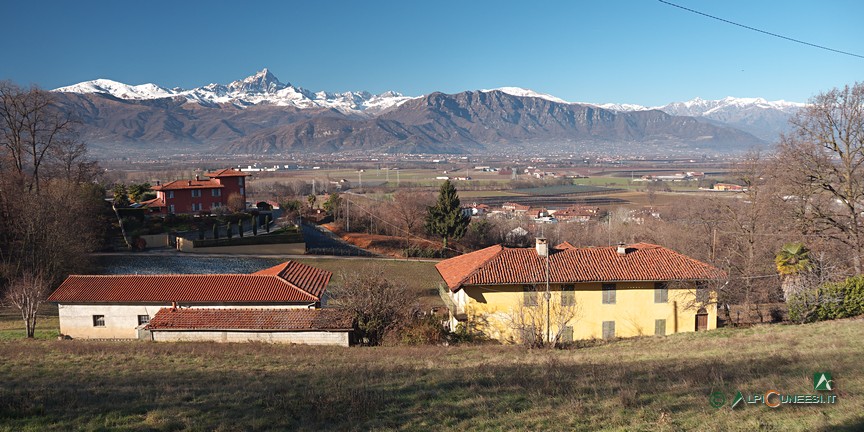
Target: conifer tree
point(445, 218)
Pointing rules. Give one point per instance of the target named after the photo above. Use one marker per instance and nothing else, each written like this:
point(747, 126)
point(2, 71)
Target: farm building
point(301, 326)
point(602, 292)
point(279, 304)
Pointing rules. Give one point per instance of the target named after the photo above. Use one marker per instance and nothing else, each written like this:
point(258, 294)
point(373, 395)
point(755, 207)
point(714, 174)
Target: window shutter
point(568, 295)
point(661, 292)
point(608, 293)
point(660, 327)
point(608, 329)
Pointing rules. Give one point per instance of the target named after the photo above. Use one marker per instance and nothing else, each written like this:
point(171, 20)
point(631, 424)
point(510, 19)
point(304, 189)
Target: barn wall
point(121, 321)
point(339, 338)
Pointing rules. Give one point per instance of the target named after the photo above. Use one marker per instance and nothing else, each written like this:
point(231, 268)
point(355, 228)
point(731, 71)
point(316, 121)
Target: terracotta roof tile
point(155, 203)
point(497, 265)
point(251, 319)
point(293, 282)
point(188, 184)
point(310, 279)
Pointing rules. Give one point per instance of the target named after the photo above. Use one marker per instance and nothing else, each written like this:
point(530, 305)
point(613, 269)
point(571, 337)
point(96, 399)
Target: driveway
point(320, 241)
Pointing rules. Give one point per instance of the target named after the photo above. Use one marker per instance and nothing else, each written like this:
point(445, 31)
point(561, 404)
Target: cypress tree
point(254, 225)
point(445, 218)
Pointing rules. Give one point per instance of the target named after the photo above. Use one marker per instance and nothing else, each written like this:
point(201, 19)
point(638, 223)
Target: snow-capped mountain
point(261, 88)
point(706, 108)
point(521, 92)
point(763, 118)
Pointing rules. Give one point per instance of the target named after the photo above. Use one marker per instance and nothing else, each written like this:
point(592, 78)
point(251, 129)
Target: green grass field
point(636, 384)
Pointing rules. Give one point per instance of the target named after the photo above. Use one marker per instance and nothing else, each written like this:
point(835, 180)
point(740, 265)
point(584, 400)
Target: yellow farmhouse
point(566, 293)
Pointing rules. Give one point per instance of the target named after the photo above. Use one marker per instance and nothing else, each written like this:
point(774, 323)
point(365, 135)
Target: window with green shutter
point(608, 293)
point(530, 295)
point(529, 335)
point(661, 292)
point(660, 327)
point(568, 295)
point(567, 334)
point(608, 329)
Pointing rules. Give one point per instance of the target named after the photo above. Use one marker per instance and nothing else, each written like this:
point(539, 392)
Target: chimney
point(190, 182)
point(542, 247)
point(622, 249)
point(158, 182)
point(196, 177)
point(173, 306)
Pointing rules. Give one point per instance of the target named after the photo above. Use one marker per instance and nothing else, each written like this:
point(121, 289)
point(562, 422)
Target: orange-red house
point(195, 196)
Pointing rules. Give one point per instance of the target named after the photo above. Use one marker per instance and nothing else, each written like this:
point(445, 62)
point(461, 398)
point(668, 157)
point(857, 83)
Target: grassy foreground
point(637, 384)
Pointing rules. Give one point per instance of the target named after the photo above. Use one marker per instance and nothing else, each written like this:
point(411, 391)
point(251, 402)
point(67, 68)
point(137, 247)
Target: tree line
point(51, 208)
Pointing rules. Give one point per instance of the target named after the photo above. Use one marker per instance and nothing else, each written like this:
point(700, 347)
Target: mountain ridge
point(260, 114)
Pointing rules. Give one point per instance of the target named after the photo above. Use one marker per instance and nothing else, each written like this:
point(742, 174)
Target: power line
point(761, 31)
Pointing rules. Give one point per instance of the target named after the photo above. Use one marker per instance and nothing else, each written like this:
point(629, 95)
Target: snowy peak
point(118, 89)
point(521, 92)
point(261, 88)
point(702, 107)
point(261, 82)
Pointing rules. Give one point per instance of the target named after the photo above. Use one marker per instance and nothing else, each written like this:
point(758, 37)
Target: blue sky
point(633, 51)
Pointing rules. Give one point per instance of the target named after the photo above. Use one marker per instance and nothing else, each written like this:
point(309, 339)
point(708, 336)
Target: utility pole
point(714, 245)
point(313, 186)
point(548, 302)
point(347, 214)
point(397, 178)
point(360, 178)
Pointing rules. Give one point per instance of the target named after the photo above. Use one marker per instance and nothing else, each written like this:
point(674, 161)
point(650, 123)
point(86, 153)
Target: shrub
point(830, 301)
point(423, 330)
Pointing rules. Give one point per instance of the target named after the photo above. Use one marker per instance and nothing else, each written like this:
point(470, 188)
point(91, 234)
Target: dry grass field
point(636, 384)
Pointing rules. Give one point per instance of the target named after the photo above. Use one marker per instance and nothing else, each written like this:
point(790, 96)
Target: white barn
point(122, 306)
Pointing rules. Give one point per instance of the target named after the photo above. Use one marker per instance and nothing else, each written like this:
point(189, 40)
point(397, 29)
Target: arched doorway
point(701, 319)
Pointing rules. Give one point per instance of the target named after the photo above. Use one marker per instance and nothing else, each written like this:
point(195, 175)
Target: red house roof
point(312, 279)
point(188, 184)
point(498, 265)
point(227, 172)
point(251, 319)
point(297, 283)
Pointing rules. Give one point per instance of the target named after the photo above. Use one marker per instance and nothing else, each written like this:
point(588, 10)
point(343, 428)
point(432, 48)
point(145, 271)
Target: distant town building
point(728, 187)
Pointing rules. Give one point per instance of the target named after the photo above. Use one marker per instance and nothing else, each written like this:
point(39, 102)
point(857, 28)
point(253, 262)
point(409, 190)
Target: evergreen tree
point(445, 218)
point(255, 223)
point(121, 196)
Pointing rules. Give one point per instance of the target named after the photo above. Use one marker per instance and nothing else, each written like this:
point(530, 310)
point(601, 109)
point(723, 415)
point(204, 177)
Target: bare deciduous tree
point(379, 303)
point(27, 292)
point(30, 128)
point(49, 206)
point(823, 156)
point(531, 320)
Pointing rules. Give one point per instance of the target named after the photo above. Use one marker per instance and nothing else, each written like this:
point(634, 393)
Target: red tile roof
point(296, 283)
point(312, 279)
point(251, 319)
point(155, 203)
point(188, 184)
point(227, 172)
point(497, 265)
